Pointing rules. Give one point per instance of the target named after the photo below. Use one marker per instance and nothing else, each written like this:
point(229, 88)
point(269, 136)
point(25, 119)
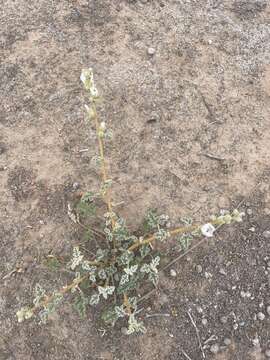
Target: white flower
point(208, 230)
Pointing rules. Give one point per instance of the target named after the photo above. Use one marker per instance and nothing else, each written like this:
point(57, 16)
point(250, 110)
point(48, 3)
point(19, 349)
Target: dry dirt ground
point(204, 90)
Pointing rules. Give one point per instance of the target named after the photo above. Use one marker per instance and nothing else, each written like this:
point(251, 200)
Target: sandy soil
point(191, 136)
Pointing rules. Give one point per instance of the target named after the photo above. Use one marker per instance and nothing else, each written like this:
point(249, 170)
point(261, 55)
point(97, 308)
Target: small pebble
point(235, 326)
point(266, 234)
point(199, 269)
point(173, 273)
point(261, 316)
point(267, 353)
point(256, 342)
point(204, 321)
point(252, 229)
point(124, 330)
point(151, 51)
point(76, 186)
point(222, 272)
point(199, 309)
point(268, 310)
point(245, 294)
point(227, 341)
point(223, 319)
point(214, 349)
point(163, 299)
point(249, 211)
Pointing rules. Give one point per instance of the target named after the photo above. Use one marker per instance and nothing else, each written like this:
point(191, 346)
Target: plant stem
point(127, 304)
point(104, 172)
point(180, 230)
point(62, 291)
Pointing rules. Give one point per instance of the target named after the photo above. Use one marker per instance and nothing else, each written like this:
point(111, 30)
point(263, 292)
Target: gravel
point(204, 321)
point(223, 319)
point(266, 234)
point(76, 186)
point(173, 273)
point(124, 330)
point(227, 341)
point(261, 316)
point(214, 349)
point(151, 51)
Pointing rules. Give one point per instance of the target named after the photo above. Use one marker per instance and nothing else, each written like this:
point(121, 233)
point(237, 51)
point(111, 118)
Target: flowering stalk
point(88, 80)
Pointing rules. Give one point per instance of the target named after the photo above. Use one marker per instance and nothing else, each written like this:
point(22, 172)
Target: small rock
point(256, 342)
point(214, 349)
point(268, 310)
point(245, 294)
point(76, 186)
point(151, 51)
point(124, 330)
point(266, 234)
point(227, 341)
point(267, 211)
point(199, 269)
point(252, 229)
point(222, 272)
point(163, 299)
point(235, 326)
point(173, 273)
point(199, 309)
point(204, 321)
point(261, 316)
point(223, 319)
point(267, 353)
point(249, 211)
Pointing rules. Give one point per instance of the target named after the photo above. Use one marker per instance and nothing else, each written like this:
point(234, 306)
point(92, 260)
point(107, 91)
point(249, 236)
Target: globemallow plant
point(123, 262)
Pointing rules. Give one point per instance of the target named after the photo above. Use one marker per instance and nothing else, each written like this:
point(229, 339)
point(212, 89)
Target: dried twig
point(213, 157)
point(156, 315)
point(197, 333)
point(184, 254)
point(185, 354)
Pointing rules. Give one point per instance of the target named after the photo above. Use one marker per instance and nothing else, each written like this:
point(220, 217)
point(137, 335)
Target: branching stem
point(180, 230)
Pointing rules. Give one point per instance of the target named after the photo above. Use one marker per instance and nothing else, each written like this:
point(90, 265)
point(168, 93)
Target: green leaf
point(88, 235)
point(52, 263)
point(144, 250)
point(150, 221)
point(128, 286)
point(80, 305)
point(86, 209)
point(87, 197)
point(185, 241)
point(94, 299)
point(109, 316)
